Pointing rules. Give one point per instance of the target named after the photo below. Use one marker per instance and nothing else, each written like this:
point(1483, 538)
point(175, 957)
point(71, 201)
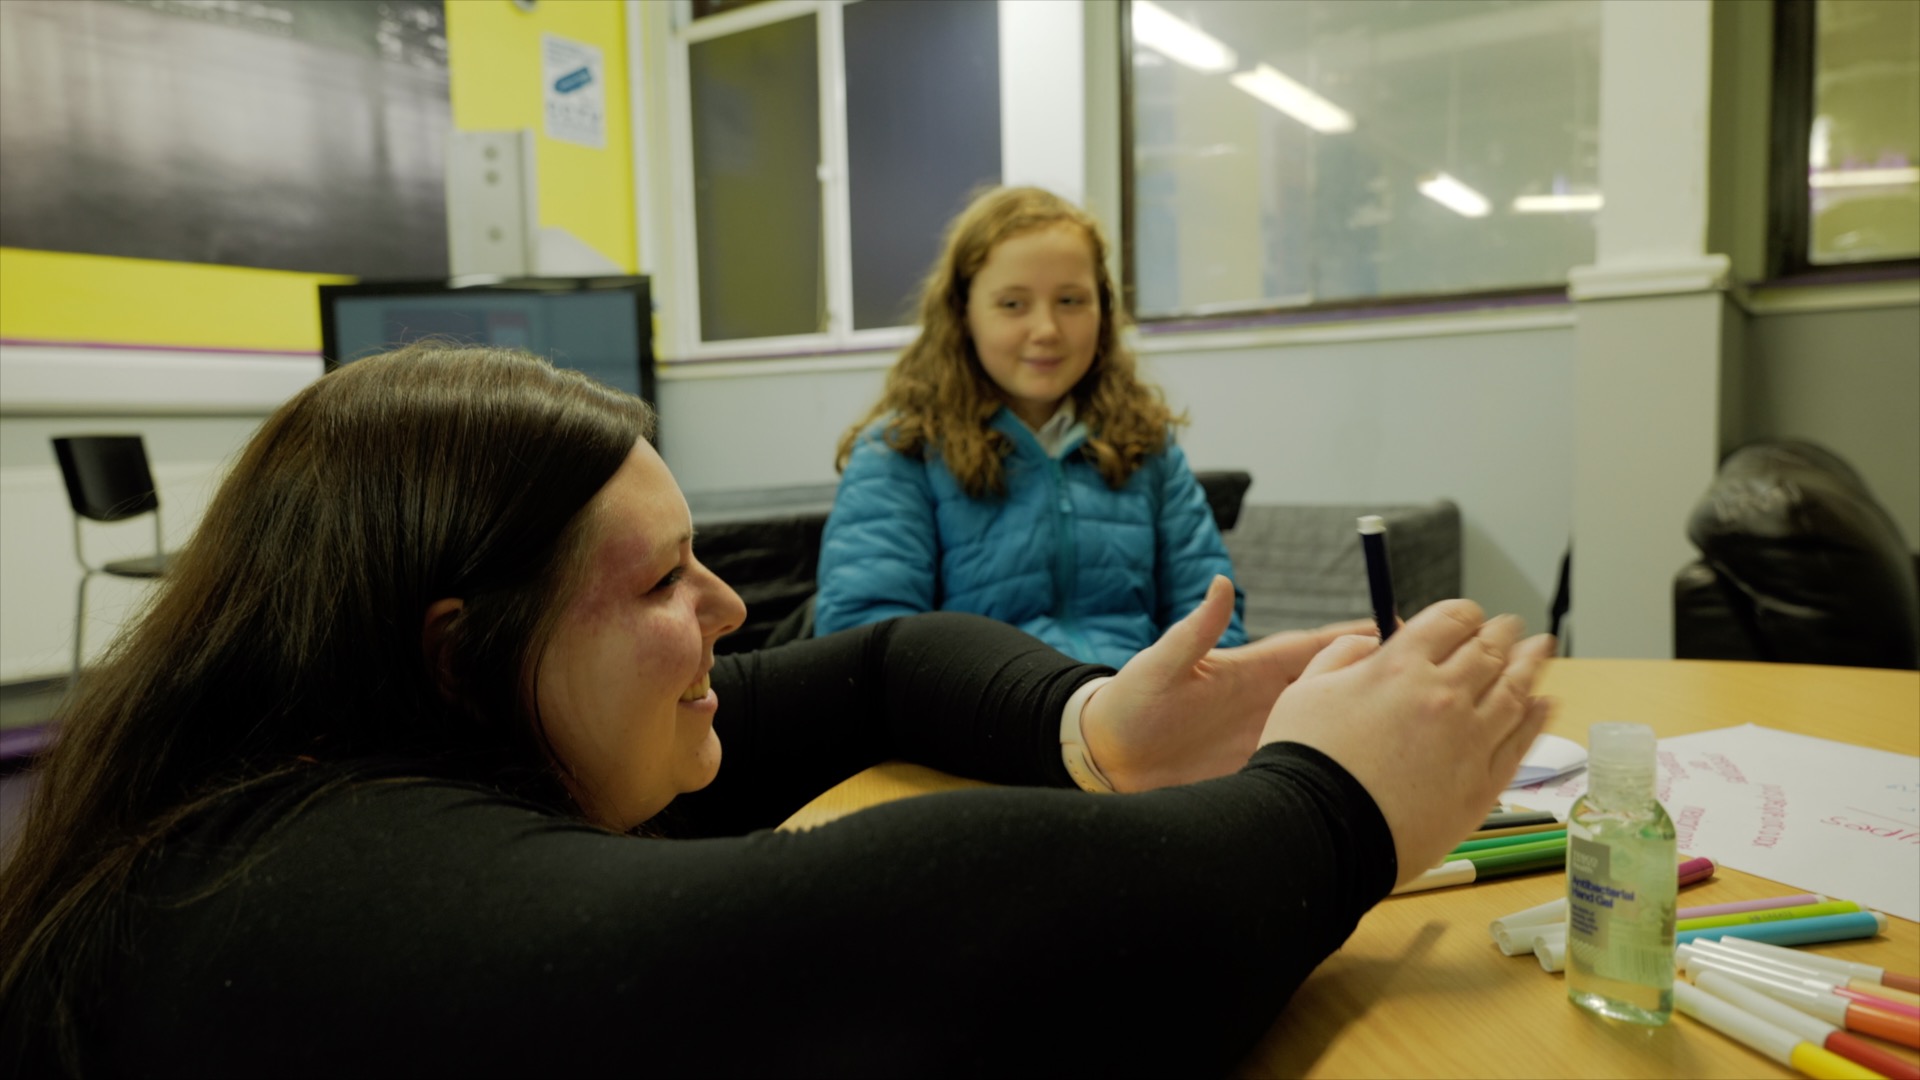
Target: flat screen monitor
point(599, 325)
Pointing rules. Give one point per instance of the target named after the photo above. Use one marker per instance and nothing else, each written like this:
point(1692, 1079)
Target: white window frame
point(1042, 57)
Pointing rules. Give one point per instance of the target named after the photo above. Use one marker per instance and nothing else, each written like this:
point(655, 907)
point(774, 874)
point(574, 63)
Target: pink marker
point(1740, 906)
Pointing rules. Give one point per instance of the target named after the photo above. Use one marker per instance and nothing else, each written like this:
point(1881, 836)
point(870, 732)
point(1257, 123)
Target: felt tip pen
point(1373, 544)
point(1465, 871)
point(1854, 924)
point(1808, 1027)
point(1494, 842)
point(1516, 830)
point(1513, 853)
point(1742, 918)
point(1815, 976)
point(1833, 1006)
point(1894, 979)
point(1506, 819)
point(1774, 1041)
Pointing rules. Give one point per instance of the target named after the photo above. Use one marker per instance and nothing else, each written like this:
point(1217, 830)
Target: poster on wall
point(303, 135)
point(574, 90)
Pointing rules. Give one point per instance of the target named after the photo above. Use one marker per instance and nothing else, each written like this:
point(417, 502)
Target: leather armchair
point(1799, 564)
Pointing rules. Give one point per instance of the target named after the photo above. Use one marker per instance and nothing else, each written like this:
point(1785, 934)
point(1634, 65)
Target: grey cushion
point(1301, 566)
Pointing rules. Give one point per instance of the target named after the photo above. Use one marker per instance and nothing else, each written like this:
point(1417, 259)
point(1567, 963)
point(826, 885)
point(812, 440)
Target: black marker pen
point(1373, 542)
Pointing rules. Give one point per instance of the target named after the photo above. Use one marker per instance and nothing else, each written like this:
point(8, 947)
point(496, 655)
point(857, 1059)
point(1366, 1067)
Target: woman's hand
point(1433, 724)
point(1182, 710)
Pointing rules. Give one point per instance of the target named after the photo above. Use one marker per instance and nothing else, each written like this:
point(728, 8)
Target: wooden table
point(1420, 990)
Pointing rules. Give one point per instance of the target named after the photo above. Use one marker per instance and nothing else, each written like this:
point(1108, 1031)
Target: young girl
point(1016, 466)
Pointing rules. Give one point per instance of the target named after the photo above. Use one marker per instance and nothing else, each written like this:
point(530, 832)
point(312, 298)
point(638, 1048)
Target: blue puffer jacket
point(1096, 573)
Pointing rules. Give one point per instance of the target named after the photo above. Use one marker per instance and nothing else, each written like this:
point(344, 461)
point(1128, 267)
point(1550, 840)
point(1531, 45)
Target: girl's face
point(623, 682)
point(1033, 311)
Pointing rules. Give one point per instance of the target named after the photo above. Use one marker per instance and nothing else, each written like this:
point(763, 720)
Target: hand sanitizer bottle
point(1621, 882)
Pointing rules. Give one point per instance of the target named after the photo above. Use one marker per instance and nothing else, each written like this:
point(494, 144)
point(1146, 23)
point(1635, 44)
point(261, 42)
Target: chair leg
point(80, 626)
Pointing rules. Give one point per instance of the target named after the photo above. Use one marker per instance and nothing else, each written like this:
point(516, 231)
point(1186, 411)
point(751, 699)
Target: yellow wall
point(57, 296)
point(494, 67)
point(494, 62)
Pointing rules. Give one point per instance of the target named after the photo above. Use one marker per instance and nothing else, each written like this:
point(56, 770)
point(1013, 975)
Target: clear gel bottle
point(1622, 879)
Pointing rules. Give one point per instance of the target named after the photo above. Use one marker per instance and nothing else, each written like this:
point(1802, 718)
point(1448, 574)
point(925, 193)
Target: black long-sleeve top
point(441, 928)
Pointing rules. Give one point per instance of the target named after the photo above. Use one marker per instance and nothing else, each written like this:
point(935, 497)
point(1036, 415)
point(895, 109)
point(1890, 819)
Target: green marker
point(1507, 841)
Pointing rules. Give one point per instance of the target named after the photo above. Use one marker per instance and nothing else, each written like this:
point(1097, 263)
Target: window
point(1847, 132)
point(1321, 151)
point(813, 223)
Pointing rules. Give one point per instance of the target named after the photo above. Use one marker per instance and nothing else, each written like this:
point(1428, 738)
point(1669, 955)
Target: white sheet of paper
point(1550, 757)
point(1811, 813)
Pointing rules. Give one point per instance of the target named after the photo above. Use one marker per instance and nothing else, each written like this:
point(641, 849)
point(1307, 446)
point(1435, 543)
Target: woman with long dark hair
point(380, 784)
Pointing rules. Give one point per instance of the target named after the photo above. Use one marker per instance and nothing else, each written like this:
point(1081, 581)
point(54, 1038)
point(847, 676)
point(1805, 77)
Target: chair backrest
point(107, 476)
point(1225, 490)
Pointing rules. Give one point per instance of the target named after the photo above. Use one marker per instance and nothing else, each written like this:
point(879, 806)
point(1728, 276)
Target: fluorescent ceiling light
point(1863, 177)
point(1291, 98)
point(1557, 204)
point(1454, 195)
point(1155, 27)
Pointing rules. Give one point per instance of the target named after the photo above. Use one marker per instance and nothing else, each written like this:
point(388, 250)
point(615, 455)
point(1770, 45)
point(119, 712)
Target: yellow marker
point(1824, 1064)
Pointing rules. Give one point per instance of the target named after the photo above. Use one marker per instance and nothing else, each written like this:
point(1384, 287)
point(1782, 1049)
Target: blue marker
point(1373, 542)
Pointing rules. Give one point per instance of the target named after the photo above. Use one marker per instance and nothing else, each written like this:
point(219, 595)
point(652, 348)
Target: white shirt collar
point(1058, 429)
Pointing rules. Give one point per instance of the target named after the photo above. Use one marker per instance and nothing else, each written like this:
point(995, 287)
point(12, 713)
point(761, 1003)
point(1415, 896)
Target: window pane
point(756, 156)
point(1322, 150)
point(1863, 153)
point(923, 130)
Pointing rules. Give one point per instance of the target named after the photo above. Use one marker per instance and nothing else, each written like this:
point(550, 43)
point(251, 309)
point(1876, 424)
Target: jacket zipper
point(1063, 561)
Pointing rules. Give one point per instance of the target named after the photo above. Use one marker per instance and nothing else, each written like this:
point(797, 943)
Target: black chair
point(1225, 489)
point(1799, 564)
point(108, 480)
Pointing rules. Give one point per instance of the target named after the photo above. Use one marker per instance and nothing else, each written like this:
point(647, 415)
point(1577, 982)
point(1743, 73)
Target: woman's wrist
point(1073, 743)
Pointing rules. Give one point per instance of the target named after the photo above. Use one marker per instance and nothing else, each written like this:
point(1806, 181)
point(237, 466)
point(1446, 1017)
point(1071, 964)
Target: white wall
point(38, 571)
point(1849, 380)
point(195, 410)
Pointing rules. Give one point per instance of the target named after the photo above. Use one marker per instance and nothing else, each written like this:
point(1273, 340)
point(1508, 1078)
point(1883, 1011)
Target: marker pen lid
point(1457, 872)
point(1696, 869)
point(1551, 952)
point(1521, 940)
point(1552, 911)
